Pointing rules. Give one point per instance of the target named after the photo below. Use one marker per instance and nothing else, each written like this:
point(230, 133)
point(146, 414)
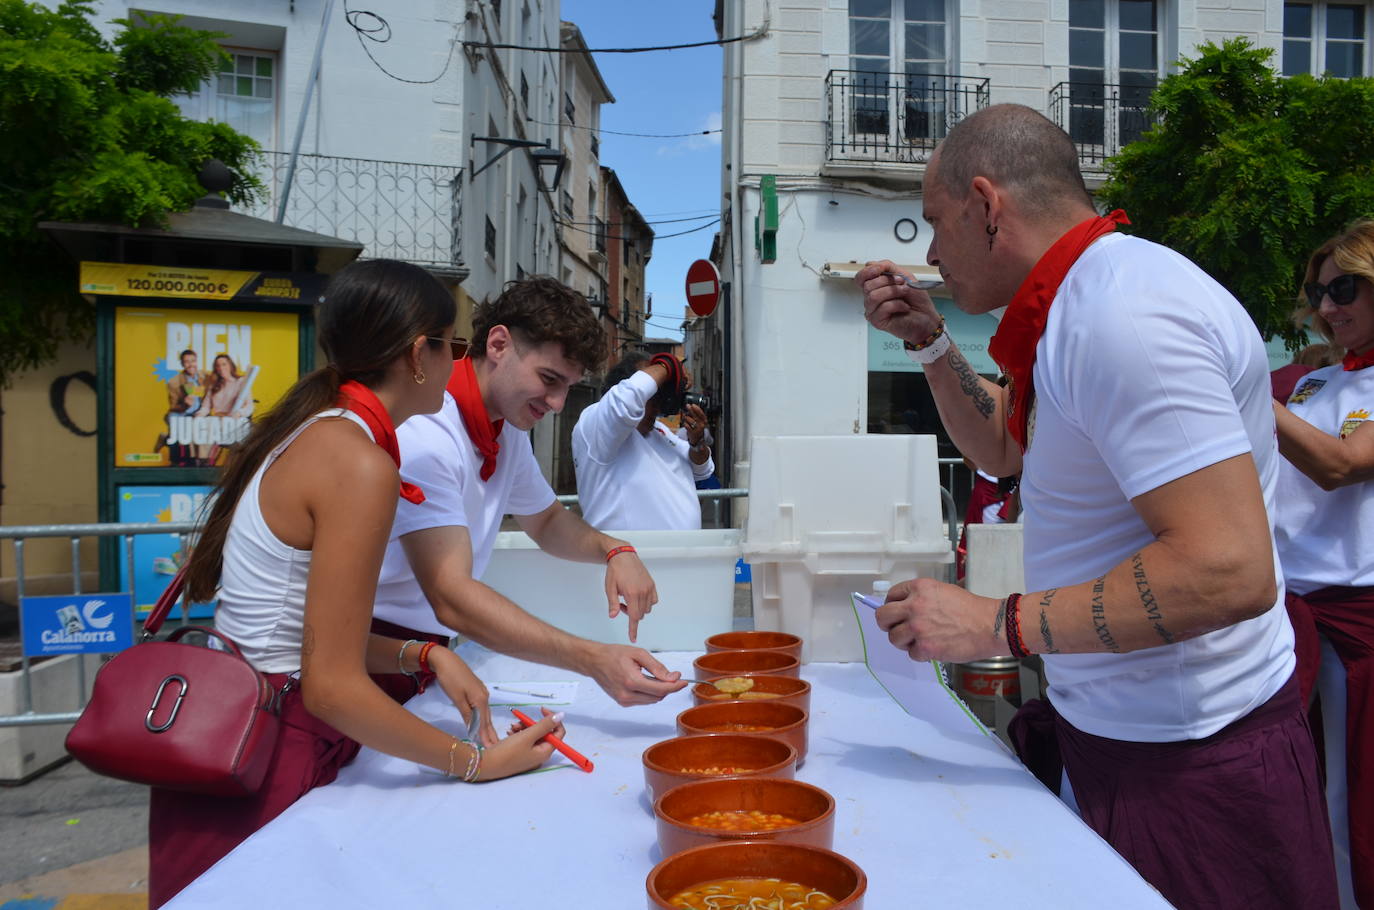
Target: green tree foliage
point(87, 133)
point(1247, 172)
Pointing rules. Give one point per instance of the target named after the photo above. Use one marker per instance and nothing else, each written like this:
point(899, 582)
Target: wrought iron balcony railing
point(1101, 118)
point(894, 117)
point(396, 209)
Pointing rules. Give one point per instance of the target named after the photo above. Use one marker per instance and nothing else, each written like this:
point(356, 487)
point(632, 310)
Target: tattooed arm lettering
point(970, 384)
point(1104, 633)
point(1147, 600)
point(1045, 600)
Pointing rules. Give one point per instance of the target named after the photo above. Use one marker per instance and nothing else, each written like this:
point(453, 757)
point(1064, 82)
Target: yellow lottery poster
point(187, 383)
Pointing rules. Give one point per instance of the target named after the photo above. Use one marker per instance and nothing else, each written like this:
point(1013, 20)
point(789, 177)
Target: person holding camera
point(633, 472)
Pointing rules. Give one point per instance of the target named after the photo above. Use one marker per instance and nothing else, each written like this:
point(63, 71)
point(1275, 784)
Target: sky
point(661, 93)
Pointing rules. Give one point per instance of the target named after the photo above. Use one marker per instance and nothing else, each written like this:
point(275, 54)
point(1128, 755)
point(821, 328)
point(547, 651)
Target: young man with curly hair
point(474, 461)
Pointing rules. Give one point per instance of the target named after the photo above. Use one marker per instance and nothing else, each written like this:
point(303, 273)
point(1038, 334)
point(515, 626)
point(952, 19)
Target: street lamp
point(546, 160)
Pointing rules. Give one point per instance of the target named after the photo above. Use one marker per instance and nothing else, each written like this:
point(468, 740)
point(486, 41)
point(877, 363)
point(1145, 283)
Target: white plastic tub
point(694, 572)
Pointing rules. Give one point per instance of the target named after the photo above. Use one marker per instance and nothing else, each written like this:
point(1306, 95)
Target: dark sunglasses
point(459, 345)
point(1342, 289)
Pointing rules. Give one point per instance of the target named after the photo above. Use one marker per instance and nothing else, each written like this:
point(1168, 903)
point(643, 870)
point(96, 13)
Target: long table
point(936, 817)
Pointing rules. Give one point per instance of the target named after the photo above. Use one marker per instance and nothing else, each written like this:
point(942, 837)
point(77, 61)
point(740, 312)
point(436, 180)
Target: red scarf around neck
point(359, 399)
point(1353, 361)
point(484, 432)
point(1013, 345)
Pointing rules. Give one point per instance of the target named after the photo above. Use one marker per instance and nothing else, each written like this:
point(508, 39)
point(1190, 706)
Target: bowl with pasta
point(744, 808)
point(756, 875)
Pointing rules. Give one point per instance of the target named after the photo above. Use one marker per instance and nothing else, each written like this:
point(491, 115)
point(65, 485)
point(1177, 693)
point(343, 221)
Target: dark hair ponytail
point(368, 317)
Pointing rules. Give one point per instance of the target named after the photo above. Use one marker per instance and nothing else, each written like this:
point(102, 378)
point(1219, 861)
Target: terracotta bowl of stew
point(715, 664)
point(755, 861)
point(782, 690)
point(715, 755)
point(756, 640)
point(757, 718)
point(744, 808)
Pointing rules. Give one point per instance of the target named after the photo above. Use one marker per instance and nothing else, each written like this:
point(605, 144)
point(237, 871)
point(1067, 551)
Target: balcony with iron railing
point(396, 209)
point(1101, 118)
point(877, 119)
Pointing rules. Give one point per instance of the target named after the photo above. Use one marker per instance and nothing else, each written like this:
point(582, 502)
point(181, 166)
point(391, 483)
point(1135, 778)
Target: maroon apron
point(1346, 617)
point(1235, 820)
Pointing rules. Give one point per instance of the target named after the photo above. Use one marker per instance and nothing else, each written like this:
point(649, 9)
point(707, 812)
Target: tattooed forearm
point(999, 618)
point(1045, 600)
point(970, 385)
point(1104, 634)
point(1147, 600)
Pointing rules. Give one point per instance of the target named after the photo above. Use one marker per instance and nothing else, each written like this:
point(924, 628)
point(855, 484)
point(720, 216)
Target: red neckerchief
point(1013, 345)
point(1353, 361)
point(359, 399)
point(484, 432)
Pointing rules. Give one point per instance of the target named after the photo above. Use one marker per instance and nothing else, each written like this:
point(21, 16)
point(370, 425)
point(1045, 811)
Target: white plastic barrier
point(832, 514)
point(693, 571)
point(994, 566)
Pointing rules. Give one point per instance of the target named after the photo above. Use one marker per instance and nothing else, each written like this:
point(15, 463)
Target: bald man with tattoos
point(1138, 415)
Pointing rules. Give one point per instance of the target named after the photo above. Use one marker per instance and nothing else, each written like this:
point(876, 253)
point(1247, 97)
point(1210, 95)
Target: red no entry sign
point(703, 287)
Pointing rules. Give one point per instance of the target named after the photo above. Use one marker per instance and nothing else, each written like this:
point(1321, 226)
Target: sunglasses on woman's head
point(459, 345)
point(1342, 289)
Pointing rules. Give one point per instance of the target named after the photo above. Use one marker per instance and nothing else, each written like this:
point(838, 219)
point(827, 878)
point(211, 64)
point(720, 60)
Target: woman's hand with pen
point(522, 750)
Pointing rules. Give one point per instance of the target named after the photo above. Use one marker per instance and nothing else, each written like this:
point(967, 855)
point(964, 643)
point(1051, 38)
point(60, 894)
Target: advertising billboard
point(187, 382)
point(158, 557)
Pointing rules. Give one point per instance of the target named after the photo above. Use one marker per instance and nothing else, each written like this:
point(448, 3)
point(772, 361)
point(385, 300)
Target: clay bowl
point(715, 664)
point(784, 722)
point(823, 870)
point(785, 691)
point(666, 762)
point(756, 640)
point(812, 808)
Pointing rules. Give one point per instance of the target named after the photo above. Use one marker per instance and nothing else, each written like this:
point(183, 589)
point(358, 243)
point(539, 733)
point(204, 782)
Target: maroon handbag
point(178, 716)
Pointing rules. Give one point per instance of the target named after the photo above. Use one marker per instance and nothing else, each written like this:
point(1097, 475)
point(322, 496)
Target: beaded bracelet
point(928, 340)
point(1013, 618)
point(618, 550)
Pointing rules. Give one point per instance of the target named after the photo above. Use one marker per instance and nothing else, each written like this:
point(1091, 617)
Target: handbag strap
point(164, 604)
point(229, 645)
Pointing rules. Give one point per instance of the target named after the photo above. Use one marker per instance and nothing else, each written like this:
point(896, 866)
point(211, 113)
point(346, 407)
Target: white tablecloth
point(935, 817)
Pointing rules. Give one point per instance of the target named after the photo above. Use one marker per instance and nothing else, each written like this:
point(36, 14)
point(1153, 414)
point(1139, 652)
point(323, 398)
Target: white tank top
point(262, 583)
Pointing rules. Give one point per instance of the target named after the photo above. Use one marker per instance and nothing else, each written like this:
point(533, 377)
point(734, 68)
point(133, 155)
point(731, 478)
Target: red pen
point(577, 757)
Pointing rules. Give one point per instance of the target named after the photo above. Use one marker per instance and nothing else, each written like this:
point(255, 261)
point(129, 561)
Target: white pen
point(524, 692)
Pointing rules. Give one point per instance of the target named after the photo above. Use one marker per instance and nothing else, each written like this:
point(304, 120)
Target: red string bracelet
point(424, 657)
point(1014, 640)
point(618, 550)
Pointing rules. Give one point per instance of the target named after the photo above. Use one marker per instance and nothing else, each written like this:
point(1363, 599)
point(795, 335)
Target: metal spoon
point(704, 682)
point(920, 284)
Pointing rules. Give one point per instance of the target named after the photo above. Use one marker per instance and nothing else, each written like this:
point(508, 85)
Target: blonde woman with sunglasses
point(1324, 528)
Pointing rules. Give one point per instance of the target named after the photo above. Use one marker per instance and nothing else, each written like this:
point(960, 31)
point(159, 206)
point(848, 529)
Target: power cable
point(572, 226)
point(663, 221)
point(598, 131)
point(378, 30)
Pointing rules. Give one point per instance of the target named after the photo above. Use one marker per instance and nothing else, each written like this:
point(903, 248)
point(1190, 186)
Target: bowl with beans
point(783, 690)
point(715, 755)
point(715, 664)
point(757, 718)
point(744, 808)
point(756, 640)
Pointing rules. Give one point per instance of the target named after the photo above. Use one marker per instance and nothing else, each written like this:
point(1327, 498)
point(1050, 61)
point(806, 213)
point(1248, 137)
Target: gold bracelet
point(451, 749)
point(474, 762)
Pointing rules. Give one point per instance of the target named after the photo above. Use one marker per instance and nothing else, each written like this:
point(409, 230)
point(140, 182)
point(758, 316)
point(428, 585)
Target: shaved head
point(1018, 148)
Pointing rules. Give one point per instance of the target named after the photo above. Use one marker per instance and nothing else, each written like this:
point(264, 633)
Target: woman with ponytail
point(293, 546)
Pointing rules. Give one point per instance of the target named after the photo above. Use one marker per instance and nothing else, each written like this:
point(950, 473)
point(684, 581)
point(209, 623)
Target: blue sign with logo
point(77, 623)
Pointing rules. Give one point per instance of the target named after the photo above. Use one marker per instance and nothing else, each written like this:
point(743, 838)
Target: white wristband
point(933, 351)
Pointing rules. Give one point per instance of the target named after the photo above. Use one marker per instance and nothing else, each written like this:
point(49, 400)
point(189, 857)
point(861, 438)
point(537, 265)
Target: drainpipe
point(305, 110)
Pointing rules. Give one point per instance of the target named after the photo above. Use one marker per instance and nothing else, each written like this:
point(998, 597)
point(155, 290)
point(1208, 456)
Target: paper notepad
point(920, 687)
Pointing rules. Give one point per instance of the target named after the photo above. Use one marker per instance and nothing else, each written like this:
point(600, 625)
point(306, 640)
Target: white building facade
point(829, 119)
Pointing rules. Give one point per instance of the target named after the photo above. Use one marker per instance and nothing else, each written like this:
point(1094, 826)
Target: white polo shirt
point(1148, 371)
point(438, 456)
point(630, 482)
point(1327, 538)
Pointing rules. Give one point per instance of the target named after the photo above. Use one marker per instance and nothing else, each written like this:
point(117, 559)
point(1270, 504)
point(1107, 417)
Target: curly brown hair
point(537, 310)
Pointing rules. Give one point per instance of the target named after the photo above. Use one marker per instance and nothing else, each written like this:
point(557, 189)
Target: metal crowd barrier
point(126, 532)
